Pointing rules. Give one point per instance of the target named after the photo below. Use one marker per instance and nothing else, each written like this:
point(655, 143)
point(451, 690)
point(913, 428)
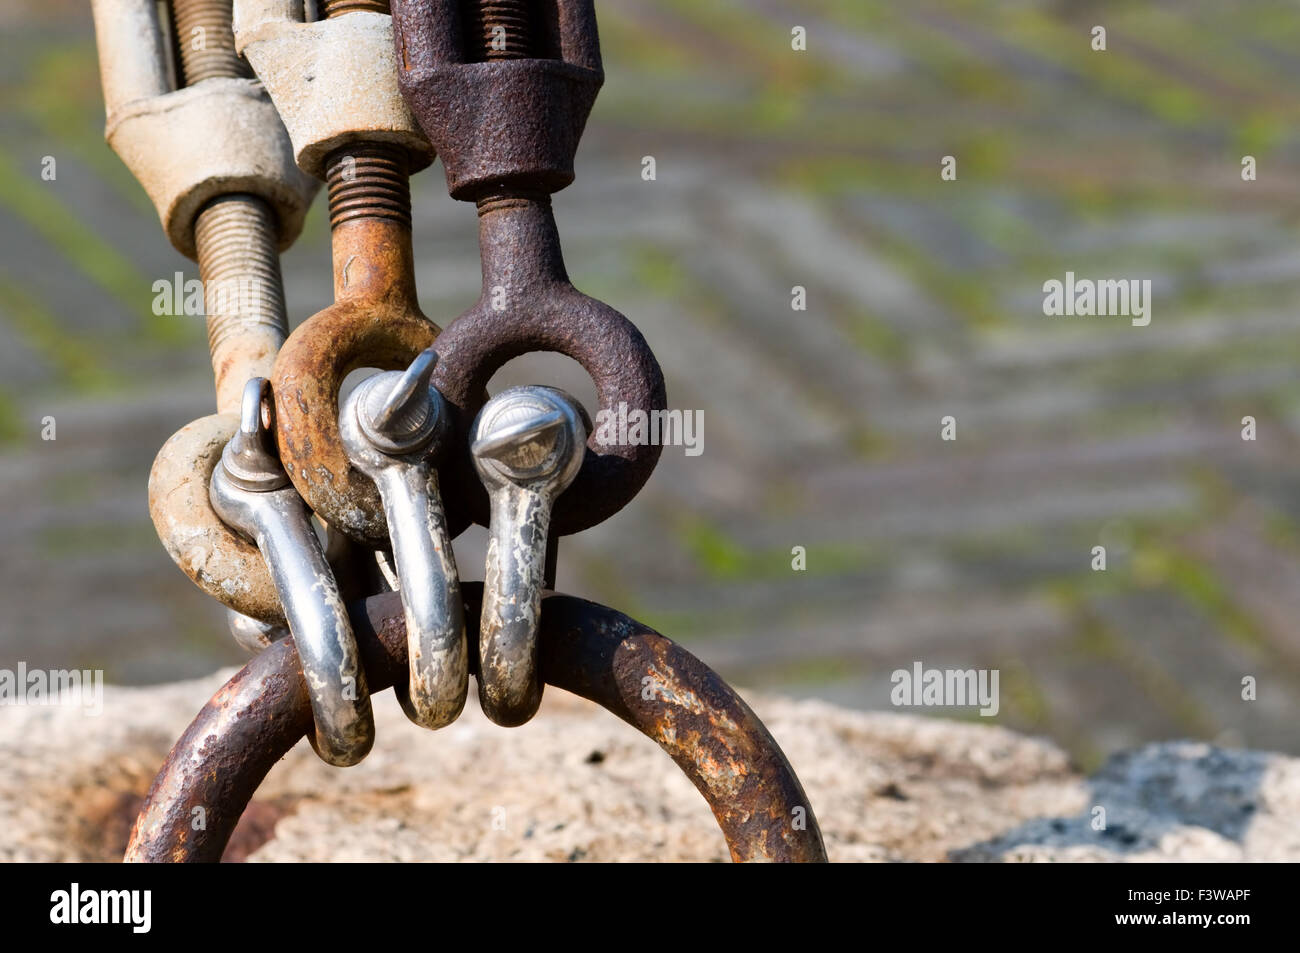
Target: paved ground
point(822, 427)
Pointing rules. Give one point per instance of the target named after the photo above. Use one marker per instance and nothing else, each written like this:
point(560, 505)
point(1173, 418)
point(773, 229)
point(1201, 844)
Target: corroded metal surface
point(498, 121)
point(505, 86)
point(503, 89)
point(647, 680)
point(527, 304)
point(219, 561)
point(375, 321)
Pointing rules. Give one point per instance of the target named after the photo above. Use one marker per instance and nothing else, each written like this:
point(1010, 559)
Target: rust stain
point(585, 648)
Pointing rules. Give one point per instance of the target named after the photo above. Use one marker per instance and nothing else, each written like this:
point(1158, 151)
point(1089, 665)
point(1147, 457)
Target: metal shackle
point(251, 492)
point(394, 427)
point(190, 145)
point(527, 445)
point(217, 559)
point(334, 81)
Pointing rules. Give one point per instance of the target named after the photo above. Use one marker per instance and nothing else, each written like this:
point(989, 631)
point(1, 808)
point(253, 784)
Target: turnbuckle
point(503, 90)
point(214, 157)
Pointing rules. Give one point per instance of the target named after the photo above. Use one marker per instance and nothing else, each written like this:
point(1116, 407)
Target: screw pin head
point(398, 411)
point(530, 434)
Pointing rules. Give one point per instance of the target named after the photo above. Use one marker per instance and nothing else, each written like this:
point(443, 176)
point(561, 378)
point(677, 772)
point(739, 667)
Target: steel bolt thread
point(368, 180)
point(519, 198)
point(497, 29)
point(336, 8)
point(206, 24)
point(235, 235)
point(243, 292)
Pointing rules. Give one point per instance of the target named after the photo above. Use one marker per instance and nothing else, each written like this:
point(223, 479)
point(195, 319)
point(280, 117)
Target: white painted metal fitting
point(334, 81)
point(188, 146)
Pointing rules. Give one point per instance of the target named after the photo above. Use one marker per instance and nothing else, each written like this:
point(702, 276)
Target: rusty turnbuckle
point(501, 89)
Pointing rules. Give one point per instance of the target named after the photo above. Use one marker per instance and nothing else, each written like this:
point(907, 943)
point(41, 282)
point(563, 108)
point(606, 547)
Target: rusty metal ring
point(306, 379)
point(219, 561)
point(610, 349)
point(602, 655)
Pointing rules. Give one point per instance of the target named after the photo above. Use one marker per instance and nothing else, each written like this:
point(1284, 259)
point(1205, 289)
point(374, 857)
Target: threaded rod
point(243, 292)
point(336, 8)
point(497, 29)
point(206, 41)
point(368, 180)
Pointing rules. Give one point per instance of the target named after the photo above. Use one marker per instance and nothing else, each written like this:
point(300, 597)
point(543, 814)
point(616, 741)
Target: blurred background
point(778, 168)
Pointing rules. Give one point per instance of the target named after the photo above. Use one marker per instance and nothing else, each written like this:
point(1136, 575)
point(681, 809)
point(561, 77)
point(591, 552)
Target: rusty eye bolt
point(334, 84)
point(503, 90)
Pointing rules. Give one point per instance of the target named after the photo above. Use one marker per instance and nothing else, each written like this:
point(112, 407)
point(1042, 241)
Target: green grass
point(96, 258)
point(13, 429)
point(722, 558)
point(1195, 582)
point(77, 366)
point(61, 98)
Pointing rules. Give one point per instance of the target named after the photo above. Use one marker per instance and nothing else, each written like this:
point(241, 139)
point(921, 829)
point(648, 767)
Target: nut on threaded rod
point(369, 181)
point(206, 42)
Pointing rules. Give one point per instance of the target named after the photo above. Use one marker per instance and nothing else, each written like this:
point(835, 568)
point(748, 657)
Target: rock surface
point(577, 784)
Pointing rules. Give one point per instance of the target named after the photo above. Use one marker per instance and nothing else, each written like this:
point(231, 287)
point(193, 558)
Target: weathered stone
point(577, 784)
